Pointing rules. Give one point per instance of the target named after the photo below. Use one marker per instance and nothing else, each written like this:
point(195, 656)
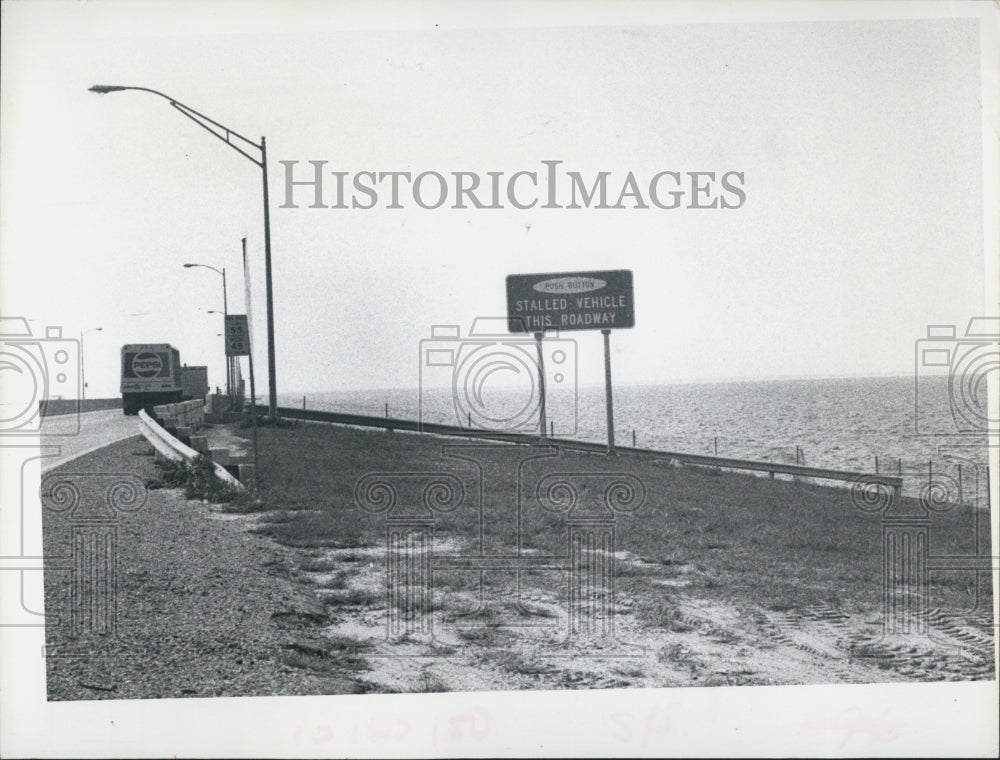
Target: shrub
point(198, 479)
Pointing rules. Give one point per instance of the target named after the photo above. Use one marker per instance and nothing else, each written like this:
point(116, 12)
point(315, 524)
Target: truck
point(152, 374)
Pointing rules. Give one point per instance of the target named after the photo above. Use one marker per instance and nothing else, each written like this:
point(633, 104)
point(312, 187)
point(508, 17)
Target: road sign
point(570, 301)
point(237, 335)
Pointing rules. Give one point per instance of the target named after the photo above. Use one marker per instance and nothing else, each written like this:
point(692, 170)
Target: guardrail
point(701, 460)
point(176, 451)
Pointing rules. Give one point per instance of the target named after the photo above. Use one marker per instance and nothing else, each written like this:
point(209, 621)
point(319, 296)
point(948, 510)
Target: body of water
point(912, 427)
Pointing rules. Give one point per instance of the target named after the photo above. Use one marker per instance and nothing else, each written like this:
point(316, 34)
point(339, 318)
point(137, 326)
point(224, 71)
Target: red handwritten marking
point(659, 721)
point(853, 722)
point(322, 734)
point(472, 725)
point(384, 730)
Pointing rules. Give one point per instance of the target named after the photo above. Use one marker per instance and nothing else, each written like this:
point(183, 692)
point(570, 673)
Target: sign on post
point(237, 335)
point(570, 301)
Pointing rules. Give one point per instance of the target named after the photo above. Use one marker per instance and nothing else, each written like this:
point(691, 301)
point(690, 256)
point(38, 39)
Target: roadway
point(76, 435)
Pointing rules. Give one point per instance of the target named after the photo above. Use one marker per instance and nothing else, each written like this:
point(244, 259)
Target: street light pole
point(83, 373)
point(272, 398)
point(225, 311)
point(226, 135)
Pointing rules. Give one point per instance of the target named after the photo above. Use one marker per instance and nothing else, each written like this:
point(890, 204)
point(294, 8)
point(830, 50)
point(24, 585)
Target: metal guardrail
point(175, 450)
point(388, 423)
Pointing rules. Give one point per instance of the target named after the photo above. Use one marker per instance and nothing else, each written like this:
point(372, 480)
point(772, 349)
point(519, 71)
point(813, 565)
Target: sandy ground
point(522, 641)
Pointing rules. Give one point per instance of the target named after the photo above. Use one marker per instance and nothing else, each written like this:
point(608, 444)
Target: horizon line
point(694, 381)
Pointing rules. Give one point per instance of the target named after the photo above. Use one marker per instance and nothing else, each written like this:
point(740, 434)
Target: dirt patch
point(517, 636)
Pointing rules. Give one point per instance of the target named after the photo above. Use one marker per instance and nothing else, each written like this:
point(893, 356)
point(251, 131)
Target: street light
point(225, 311)
point(226, 135)
point(83, 374)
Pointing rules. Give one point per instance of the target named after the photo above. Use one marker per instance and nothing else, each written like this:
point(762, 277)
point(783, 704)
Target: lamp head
point(104, 89)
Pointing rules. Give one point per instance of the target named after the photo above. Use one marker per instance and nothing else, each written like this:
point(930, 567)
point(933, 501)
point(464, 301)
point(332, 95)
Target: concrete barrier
point(169, 447)
point(56, 406)
point(183, 414)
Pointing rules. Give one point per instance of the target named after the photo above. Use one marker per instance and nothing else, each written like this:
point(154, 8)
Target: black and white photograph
point(499, 379)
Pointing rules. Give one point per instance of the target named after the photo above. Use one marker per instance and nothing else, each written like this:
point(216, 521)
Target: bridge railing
point(893, 482)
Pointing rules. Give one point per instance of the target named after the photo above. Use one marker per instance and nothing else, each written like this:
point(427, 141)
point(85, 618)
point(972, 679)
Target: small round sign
point(146, 364)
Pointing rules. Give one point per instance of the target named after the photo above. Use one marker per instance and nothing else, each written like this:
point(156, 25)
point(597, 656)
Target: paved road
point(96, 430)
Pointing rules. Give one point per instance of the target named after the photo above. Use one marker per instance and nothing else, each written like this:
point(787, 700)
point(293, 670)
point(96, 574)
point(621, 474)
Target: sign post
point(609, 404)
point(572, 301)
point(253, 386)
point(541, 384)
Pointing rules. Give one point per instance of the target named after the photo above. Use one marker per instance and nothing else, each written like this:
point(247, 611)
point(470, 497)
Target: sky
point(859, 145)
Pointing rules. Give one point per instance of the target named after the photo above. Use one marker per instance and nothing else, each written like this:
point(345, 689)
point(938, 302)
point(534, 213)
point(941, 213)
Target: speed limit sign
point(237, 335)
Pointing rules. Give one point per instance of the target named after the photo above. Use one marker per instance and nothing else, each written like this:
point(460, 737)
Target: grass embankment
point(777, 543)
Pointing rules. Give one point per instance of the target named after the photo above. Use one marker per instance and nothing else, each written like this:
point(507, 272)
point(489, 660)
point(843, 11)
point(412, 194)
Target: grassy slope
point(776, 543)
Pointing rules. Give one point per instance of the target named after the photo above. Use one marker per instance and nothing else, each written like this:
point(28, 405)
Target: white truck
point(152, 374)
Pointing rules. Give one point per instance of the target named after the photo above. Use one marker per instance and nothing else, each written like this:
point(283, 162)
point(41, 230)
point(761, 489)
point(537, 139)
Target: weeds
point(318, 564)
point(514, 662)
point(678, 654)
point(199, 481)
point(356, 597)
point(430, 683)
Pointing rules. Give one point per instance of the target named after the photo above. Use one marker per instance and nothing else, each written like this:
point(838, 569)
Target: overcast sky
point(860, 146)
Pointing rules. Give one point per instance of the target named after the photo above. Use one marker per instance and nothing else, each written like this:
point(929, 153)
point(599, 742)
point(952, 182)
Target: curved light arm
point(225, 297)
point(213, 127)
point(206, 266)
